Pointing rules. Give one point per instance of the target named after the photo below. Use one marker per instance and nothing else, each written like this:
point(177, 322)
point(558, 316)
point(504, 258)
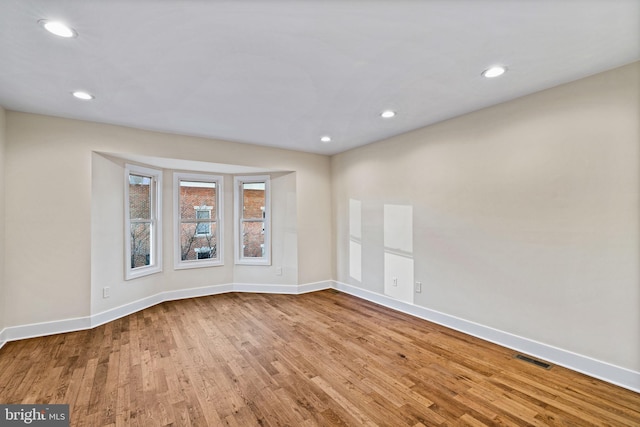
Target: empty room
point(318, 213)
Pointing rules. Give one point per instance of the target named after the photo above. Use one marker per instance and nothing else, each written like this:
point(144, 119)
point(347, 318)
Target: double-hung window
point(198, 212)
point(252, 220)
point(143, 243)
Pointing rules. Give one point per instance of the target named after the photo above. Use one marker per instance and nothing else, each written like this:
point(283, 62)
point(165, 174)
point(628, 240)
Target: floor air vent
point(533, 361)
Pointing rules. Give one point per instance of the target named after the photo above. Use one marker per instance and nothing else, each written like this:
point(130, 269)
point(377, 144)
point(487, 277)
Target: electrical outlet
point(278, 271)
point(418, 287)
point(105, 292)
point(395, 281)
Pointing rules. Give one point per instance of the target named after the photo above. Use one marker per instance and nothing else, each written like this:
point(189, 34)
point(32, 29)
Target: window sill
point(253, 261)
point(142, 272)
point(186, 265)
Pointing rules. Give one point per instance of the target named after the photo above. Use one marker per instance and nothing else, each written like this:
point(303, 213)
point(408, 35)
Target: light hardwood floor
point(323, 358)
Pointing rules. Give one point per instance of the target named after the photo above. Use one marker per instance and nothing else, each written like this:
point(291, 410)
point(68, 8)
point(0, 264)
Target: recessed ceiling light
point(58, 28)
point(325, 139)
point(83, 95)
point(494, 71)
point(387, 114)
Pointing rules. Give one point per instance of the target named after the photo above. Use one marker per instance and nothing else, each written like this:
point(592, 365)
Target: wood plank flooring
point(323, 358)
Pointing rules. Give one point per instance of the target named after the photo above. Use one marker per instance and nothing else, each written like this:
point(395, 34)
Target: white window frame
point(239, 181)
point(178, 263)
point(155, 244)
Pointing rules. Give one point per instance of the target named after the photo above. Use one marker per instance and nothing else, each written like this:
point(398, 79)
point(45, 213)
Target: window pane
point(203, 214)
point(195, 245)
point(140, 244)
point(139, 197)
point(203, 228)
point(253, 239)
point(196, 198)
point(253, 194)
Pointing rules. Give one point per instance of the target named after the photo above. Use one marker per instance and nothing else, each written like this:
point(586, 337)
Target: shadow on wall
point(355, 239)
point(398, 249)
point(398, 252)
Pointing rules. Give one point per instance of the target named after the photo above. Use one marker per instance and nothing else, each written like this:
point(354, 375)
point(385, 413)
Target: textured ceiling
point(284, 73)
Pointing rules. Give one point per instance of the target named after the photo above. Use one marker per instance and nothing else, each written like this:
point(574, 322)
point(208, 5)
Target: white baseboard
point(33, 330)
point(317, 286)
point(595, 368)
point(14, 333)
point(282, 289)
point(125, 310)
point(195, 292)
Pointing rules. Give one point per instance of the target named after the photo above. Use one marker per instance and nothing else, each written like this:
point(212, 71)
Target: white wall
point(3, 300)
point(48, 220)
point(525, 215)
point(53, 168)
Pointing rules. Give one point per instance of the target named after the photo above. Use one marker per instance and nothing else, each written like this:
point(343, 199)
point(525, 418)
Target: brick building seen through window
point(140, 215)
point(253, 232)
point(198, 224)
point(198, 239)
